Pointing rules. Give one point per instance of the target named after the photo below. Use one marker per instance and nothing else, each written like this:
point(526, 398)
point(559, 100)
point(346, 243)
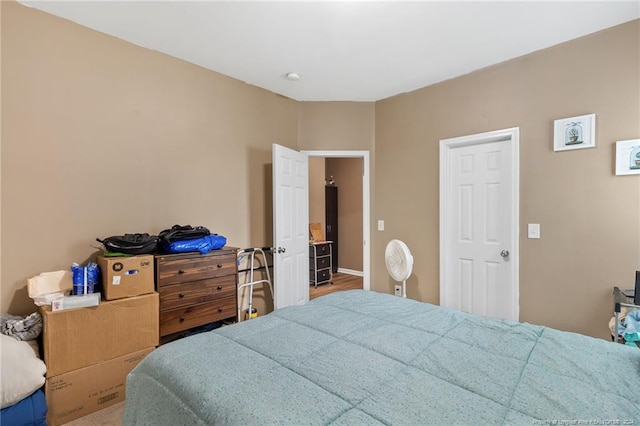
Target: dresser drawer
point(321, 262)
point(180, 270)
point(320, 250)
point(193, 316)
point(320, 276)
point(196, 292)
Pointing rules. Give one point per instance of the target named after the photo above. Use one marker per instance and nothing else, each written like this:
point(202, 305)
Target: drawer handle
point(219, 287)
point(219, 309)
point(219, 266)
point(181, 295)
point(181, 319)
point(181, 271)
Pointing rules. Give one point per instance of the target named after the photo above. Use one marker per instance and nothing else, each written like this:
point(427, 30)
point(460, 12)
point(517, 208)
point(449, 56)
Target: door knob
point(281, 249)
point(504, 253)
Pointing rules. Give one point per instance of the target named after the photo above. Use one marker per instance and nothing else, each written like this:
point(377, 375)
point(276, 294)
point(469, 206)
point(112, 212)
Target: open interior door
point(290, 226)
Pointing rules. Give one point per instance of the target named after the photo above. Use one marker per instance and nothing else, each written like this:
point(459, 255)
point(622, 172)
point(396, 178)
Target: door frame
point(366, 231)
point(446, 146)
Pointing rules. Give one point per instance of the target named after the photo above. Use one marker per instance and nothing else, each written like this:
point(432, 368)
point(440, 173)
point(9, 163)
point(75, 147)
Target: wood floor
point(341, 282)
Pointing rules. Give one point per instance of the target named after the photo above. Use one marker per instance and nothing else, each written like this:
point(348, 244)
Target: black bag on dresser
point(131, 243)
point(179, 233)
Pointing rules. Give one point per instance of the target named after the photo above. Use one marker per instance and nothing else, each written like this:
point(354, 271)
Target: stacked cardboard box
point(89, 351)
point(126, 276)
point(80, 392)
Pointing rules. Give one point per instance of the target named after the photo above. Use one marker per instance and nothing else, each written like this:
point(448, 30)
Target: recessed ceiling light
point(293, 76)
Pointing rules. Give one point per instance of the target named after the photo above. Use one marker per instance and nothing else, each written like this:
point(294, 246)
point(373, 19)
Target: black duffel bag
point(131, 243)
point(179, 233)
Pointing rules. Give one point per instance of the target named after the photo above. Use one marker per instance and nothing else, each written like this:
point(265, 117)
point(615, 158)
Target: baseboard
point(350, 272)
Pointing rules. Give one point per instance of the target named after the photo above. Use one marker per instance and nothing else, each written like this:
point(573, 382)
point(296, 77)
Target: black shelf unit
point(331, 221)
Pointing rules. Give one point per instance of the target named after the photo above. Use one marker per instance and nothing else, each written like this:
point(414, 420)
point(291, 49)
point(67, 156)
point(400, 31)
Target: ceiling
point(344, 50)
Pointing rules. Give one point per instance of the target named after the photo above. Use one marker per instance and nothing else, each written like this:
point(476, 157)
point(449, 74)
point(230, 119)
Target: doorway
point(479, 216)
point(364, 155)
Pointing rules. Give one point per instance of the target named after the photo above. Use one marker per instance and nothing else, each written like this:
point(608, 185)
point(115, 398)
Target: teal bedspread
point(366, 358)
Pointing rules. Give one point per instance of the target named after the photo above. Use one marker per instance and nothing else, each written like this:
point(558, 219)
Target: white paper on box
point(46, 299)
point(50, 282)
point(116, 280)
point(71, 302)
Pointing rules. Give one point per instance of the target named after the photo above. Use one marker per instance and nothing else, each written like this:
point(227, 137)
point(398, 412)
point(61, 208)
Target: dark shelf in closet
point(331, 220)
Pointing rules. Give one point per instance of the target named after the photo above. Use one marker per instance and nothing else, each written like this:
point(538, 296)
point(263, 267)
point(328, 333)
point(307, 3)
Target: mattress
point(361, 357)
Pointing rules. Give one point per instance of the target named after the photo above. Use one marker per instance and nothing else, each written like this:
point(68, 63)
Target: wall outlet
point(397, 290)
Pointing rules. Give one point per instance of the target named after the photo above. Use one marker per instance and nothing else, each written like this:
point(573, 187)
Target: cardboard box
point(317, 234)
point(80, 392)
point(78, 338)
point(126, 276)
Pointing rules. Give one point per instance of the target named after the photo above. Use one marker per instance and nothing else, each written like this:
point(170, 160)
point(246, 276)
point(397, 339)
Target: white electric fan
point(399, 262)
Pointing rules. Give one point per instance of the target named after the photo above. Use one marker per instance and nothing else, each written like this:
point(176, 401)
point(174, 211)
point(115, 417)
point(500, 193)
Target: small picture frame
point(574, 133)
point(628, 157)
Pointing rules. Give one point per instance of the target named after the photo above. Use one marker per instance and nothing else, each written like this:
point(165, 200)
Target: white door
point(479, 217)
point(290, 227)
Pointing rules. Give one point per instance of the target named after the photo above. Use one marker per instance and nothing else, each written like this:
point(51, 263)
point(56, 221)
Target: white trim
point(350, 272)
point(446, 145)
point(366, 231)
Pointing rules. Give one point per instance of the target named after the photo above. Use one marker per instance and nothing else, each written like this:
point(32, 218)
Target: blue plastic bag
point(203, 245)
point(85, 278)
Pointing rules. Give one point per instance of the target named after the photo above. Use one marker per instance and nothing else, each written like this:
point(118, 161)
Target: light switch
point(534, 230)
point(381, 225)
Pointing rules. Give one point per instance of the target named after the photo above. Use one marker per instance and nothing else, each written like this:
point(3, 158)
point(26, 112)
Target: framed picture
point(574, 133)
point(628, 157)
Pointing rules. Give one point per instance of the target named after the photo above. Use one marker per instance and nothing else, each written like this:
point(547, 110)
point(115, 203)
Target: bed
point(366, 358)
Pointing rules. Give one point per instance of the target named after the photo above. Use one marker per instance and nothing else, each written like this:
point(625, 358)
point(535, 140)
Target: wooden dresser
point(196, 289)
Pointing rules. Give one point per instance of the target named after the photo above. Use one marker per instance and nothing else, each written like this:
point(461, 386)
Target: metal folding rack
point(320, 263)
point(253, 265)
point(621, 301)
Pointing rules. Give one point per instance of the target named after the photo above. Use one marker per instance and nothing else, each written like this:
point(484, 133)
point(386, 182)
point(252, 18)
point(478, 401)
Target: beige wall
point(347, 174)
point(2, 307)
point(336, 126)
point(102, 137)
point(316, 190)
point(590, 218)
